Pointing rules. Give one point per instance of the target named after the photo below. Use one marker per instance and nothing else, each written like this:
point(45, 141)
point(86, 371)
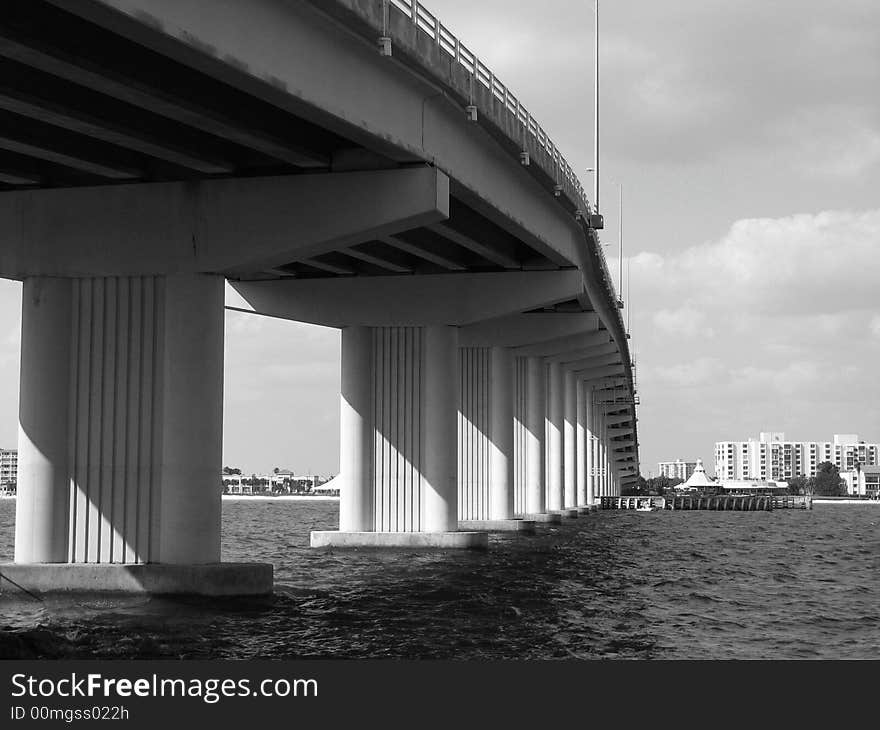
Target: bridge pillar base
point(514, 525)
point(567, 513)
point(472, 540)
point(553, 518)
point(211, 579)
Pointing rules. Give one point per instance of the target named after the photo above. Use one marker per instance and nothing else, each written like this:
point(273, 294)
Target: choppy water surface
point(706, 585)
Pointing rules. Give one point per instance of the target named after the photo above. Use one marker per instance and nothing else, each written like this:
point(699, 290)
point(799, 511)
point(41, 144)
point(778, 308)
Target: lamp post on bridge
point(596, 112)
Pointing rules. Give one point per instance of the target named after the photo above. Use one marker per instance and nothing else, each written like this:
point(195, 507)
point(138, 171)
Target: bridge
point(348, 163)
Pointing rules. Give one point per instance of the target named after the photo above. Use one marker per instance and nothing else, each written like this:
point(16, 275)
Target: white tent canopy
point(699, 479)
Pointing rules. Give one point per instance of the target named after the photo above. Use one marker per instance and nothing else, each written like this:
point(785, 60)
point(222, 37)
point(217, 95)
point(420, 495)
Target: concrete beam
point(376, 261)
point(563, 345)
point(496, 257)
point(567, 358)
point(613, 421)
point(601, 372)
point(423, 253)
point(606, 355)
point(140, 93)
point(616, 433)
point(516, 330)
point(405, 300)
point(86, 122)
point(233, 226)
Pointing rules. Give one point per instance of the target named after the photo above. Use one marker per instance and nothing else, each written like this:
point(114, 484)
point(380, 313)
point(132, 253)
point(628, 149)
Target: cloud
point(682, 322)
point(812, 263)
point(690, 373)
point(788, 380)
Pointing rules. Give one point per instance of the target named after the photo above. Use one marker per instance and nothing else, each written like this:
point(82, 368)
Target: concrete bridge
point(342, 162)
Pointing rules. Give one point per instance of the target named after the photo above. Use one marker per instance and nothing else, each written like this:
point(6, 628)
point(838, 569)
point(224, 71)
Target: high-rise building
point(771, 457)
point(8, 466)
point(677, 469)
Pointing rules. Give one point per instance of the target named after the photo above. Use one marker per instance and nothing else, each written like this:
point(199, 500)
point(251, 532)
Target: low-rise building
point(752, 486)
point(282, 481)
point(863, 482)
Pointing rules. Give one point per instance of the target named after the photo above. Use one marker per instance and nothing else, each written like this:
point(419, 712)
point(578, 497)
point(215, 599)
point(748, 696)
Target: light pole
point(620, 243)
point(596, 113)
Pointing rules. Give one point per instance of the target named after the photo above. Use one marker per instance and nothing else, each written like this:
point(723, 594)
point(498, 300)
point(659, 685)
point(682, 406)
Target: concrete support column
point(569, 460)
point(439, 429)
point(603, 441)
point(555, 418)
point(590, 445)
point(125, 469)
point(120, 434)
point(356, 431)
point(399, 447)
point(600, 460)
point(536, 501)
point(501, 400)
point(580, 444)
point(44, 484)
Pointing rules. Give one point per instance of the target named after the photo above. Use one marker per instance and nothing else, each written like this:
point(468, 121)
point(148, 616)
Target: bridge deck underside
point(81, 106)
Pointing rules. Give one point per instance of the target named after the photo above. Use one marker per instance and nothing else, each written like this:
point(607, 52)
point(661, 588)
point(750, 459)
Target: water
point(669, 585)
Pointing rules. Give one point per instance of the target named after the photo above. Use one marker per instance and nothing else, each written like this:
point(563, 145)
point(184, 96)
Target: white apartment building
point(863, 483)
point(677, 469)
point(8, 466)
point(771, 457)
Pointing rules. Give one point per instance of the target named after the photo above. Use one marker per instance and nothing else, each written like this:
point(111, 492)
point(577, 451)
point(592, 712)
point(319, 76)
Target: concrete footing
point(211, 579)
point(588, 509)
point(570, 513)
point(438, 540)
point(515, 525)
point(553, 518)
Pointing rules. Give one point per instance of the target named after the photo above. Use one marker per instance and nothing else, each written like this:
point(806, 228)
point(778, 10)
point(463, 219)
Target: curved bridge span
point(348, 163)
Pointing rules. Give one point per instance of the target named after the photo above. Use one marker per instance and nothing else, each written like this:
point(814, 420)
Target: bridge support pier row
point(582, 466)
point(485, 441)
point(603, 447)
point(398, 447)
point(120, 436)
point(597, 463)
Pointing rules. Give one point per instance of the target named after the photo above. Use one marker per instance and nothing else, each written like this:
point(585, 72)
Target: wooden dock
point(730, 502)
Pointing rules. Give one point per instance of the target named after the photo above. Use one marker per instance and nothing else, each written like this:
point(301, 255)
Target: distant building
point(863, 482)
point(8, 467)
point(281, 482)
point(751, 486)
point(771, 458)
point(677, 469)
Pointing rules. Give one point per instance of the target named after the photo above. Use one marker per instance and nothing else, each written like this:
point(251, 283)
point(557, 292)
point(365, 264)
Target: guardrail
point(431, 25)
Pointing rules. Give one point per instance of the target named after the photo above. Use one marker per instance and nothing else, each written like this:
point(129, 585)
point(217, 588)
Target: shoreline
point(844, 500)
point(280, 498)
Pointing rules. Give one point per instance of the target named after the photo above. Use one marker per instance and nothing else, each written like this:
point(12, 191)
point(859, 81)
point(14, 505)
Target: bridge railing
point(448, 43)
point(431, 25)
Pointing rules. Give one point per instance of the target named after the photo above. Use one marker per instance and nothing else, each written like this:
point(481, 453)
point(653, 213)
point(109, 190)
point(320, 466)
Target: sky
point(746, 138)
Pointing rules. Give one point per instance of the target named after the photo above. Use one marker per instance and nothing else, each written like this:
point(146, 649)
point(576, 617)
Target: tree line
point(826, 483)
